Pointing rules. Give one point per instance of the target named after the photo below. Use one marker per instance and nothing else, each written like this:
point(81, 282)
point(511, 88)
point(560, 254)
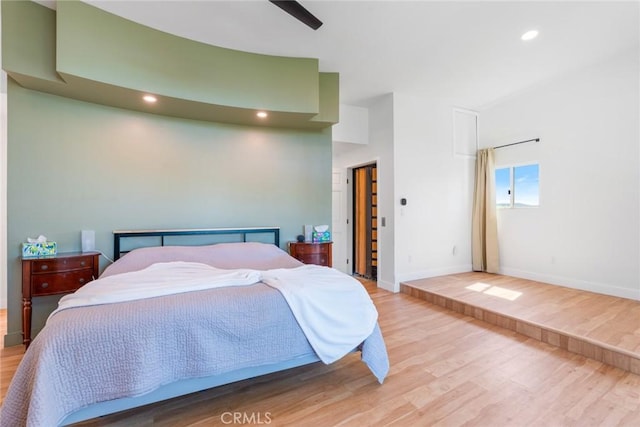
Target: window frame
point(512, 189)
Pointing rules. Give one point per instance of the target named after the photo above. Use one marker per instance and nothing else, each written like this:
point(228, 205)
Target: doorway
point(365, 221)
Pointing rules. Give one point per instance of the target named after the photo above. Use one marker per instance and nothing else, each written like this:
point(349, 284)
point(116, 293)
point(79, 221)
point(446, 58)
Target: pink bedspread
point(86, 355)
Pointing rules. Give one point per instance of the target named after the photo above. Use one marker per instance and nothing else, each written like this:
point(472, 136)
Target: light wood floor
point(447, 369)
point(598, 326)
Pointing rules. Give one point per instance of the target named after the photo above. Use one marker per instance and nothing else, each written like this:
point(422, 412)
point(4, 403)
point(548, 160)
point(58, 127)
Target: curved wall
point(82, 52)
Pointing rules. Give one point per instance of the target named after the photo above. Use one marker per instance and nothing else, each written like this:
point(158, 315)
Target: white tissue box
point(39, 249)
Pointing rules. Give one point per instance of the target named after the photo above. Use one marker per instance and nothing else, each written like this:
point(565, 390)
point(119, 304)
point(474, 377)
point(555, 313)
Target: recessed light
point(262, 114)
point(150, 99)
point(529, 35)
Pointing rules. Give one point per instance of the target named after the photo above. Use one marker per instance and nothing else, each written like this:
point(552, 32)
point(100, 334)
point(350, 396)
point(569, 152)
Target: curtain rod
point(516, 143)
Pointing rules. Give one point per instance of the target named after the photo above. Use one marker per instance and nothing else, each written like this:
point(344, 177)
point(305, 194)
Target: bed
point(168, 320)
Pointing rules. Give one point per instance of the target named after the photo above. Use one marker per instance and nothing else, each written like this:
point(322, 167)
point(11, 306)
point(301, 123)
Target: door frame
point(372, 271)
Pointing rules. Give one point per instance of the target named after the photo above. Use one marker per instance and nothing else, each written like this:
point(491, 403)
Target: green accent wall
point(100, 46)
point(28, 39)
point(81, 52)
point(76, 165)
point(329, 98)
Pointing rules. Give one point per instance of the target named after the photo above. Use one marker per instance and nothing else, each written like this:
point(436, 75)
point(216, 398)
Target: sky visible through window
point(526, 186)
point(503, 184)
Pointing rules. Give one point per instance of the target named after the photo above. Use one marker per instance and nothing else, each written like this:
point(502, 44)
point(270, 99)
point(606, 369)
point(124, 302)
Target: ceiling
point(468, 52)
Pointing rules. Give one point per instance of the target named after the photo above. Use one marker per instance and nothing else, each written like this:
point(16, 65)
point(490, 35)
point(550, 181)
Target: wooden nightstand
point(311, 253)
point(52, 275)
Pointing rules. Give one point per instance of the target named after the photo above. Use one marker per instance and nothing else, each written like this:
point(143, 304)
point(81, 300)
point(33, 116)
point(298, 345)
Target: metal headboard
point(120, 235)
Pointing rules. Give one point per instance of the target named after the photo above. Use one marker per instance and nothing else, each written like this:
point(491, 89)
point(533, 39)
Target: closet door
point(365, 221)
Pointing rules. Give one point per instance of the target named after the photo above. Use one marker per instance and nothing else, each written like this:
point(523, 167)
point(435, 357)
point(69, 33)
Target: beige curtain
point(484, 227)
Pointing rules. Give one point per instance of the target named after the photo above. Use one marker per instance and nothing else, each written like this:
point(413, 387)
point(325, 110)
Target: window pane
point(525, 181)
point(503, 185)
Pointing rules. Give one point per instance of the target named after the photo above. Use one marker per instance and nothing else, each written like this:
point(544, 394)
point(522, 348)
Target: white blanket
point(333, 309)
point(159, 279)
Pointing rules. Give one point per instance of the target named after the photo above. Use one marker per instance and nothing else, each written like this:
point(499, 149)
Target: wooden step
point(600, 327)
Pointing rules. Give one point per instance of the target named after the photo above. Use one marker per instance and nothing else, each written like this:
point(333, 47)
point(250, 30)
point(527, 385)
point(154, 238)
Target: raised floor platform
point(600, 327)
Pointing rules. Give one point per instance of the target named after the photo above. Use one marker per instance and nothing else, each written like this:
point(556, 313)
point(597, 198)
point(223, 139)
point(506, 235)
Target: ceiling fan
point(299, 12)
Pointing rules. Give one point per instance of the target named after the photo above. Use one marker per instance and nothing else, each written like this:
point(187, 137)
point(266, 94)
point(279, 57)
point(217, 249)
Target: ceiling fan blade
point(298, 11)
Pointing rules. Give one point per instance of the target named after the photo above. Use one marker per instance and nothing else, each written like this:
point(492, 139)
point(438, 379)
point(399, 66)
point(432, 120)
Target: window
point(503, 188)
point(518, 187)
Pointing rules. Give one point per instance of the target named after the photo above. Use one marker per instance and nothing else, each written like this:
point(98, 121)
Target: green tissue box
point(320, 236)
point(39, 249)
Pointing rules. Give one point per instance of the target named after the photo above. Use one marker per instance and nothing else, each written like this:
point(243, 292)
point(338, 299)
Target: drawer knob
point(83, 263)
point(44, 267)
point(81, 280)
point(44, 285)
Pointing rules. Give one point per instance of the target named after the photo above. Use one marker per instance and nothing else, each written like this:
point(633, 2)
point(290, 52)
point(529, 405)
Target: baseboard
point(568, 282)
point(387, 286)
point(14, 338)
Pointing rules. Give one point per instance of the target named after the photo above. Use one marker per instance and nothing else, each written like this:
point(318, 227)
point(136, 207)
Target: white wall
point(353, 126)
point(433, 230)
point(411, 139)
point(379, 149)
point(586, 232)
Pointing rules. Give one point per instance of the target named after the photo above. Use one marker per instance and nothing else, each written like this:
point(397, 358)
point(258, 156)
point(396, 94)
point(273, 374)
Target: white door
point(339, 219)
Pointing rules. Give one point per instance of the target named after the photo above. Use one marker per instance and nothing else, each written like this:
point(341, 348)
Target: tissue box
point(39, 249)
point(323, 236)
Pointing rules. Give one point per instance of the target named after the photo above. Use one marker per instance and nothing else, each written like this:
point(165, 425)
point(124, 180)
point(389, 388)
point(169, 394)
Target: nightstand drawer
point(314, 258)
point(60, 264)
point(311, 253)
point(311, 248)
point(55, 283)
point(58, 274)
